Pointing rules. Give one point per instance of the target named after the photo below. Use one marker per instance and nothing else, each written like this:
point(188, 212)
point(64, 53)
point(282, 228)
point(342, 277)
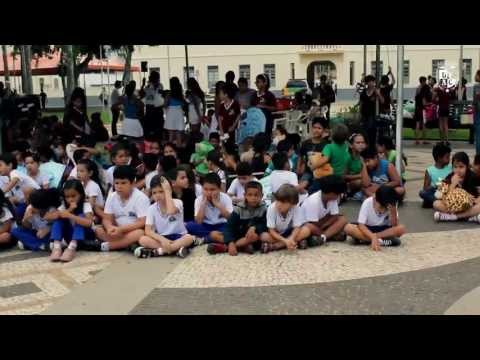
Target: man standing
point(325, 94)
point(113, 101)
point(422, 94)
point(43, 97)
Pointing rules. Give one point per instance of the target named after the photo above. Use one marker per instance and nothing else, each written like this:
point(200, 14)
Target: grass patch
point(434, 134)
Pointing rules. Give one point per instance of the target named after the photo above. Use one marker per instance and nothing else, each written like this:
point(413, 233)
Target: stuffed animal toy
point(456, 200)
point(200, 156)
point(319, 171)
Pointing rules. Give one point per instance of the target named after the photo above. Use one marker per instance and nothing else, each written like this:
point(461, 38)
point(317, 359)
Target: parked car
point(295, 85)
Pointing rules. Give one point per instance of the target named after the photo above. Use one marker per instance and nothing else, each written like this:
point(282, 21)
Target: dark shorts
point(287, 233)
point(443, 113)
point(418, 117)
point(376, 229)
point(173, 237)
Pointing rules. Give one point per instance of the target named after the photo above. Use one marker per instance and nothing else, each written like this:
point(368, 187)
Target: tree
point(5, 63)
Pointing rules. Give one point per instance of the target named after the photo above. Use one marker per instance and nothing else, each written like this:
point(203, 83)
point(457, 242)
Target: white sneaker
point(475, 219)
point(440, 216)
point(20, 245)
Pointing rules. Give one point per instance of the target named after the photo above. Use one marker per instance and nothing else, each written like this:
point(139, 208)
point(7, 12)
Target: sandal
point(68, 255)
point(56, 254)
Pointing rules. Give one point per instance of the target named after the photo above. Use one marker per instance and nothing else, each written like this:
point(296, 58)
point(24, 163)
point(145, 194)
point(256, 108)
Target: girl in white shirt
point(165, 231)
point(89, 176)
point(74, 223)
point(378, 220)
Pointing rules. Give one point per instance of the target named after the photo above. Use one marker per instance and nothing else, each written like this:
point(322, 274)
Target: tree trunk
point(28, 63)
point(128, 63)
point(70, 69)
point(26, 70)
point(5, 63)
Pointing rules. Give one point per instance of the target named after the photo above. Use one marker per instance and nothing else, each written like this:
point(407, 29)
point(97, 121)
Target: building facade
point(343, 64)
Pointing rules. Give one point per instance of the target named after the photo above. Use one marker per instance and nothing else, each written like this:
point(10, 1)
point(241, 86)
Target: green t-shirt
point(354, 165)
point(338, 155)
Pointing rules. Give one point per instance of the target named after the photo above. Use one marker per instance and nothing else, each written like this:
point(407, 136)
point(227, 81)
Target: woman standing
point(476, 111)
point(75, 120)
point(133, 110)
point(266, 101)
point(196, 104)
point(441, 98)
point(174, 112)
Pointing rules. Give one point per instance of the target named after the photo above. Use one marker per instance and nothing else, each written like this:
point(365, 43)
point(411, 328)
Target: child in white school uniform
point(378, 220)
point(284, 222)
point(165, 231)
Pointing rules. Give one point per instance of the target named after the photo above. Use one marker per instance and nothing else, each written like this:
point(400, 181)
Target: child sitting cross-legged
point(124, 213)
point(212, 210)
point(246, 224)
point(165, 231)
point(460, 197)
point(380, 172)
point(321, 212)
point(436, 173)
point(284, 222)
point(244, 176)
point(378, 220)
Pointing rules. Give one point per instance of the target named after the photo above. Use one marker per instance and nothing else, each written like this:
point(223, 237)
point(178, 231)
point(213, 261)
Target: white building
point(342, 63)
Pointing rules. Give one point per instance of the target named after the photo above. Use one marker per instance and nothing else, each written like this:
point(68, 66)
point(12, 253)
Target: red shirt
point(228, 115)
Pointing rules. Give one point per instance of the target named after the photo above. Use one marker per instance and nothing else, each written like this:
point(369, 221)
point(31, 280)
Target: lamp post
point(186, 63)
point(399, 122)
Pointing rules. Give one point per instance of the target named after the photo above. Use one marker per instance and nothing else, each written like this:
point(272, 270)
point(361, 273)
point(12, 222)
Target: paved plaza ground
point(436, 270)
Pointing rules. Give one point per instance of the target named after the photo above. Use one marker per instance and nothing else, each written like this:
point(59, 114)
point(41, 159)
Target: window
point(406, 71)
point(467, 70)
point(352, 73)
point(212, 75)
point(191, 73)
point(292, 70)
point(269, 70)
point(374, 68)
point(244, 71)
point(436, 65)
point(55, 84)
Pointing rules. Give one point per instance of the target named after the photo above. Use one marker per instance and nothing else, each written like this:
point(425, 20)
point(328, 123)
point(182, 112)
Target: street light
point(399, 122)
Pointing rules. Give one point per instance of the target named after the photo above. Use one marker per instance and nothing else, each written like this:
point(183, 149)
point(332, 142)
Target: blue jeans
point(203, 230)
point(428, 196)
point(30, 240)
point(63, 229)
point(476, 126)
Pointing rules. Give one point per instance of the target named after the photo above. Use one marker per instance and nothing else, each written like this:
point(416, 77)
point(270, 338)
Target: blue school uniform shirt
point(380, 175)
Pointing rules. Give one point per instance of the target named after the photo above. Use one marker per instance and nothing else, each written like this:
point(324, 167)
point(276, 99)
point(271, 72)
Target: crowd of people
point(180, 175)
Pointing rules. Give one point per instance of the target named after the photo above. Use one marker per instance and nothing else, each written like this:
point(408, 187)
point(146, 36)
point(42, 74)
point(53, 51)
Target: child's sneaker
point(197, 241)
point(266, 248)
point(317, 240)
point(440, 216)
point(144, 253)
point(341, 236)
point(56, 254)
point(475, 219)
point(389, 242)
point(358, 196)
point(183, 252)
point(302, 244)
point(216, 248)
point(68, 255)
point(20, 245)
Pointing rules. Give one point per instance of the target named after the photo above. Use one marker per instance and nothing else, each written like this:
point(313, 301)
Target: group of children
point(154, 199)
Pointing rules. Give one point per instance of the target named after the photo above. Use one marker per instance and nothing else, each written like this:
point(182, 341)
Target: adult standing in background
point(196, 104)
point(174, 112)
point(368, 103)
point(133, 110)
point(230, 79)
point(43, 97)
point(422, 93)
point(113, 101)
point(325, 94)
point(244, 95)
point(476, 111)
point(154, 100)
point(387, 82)
point(266, 101)
point(75, 119)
